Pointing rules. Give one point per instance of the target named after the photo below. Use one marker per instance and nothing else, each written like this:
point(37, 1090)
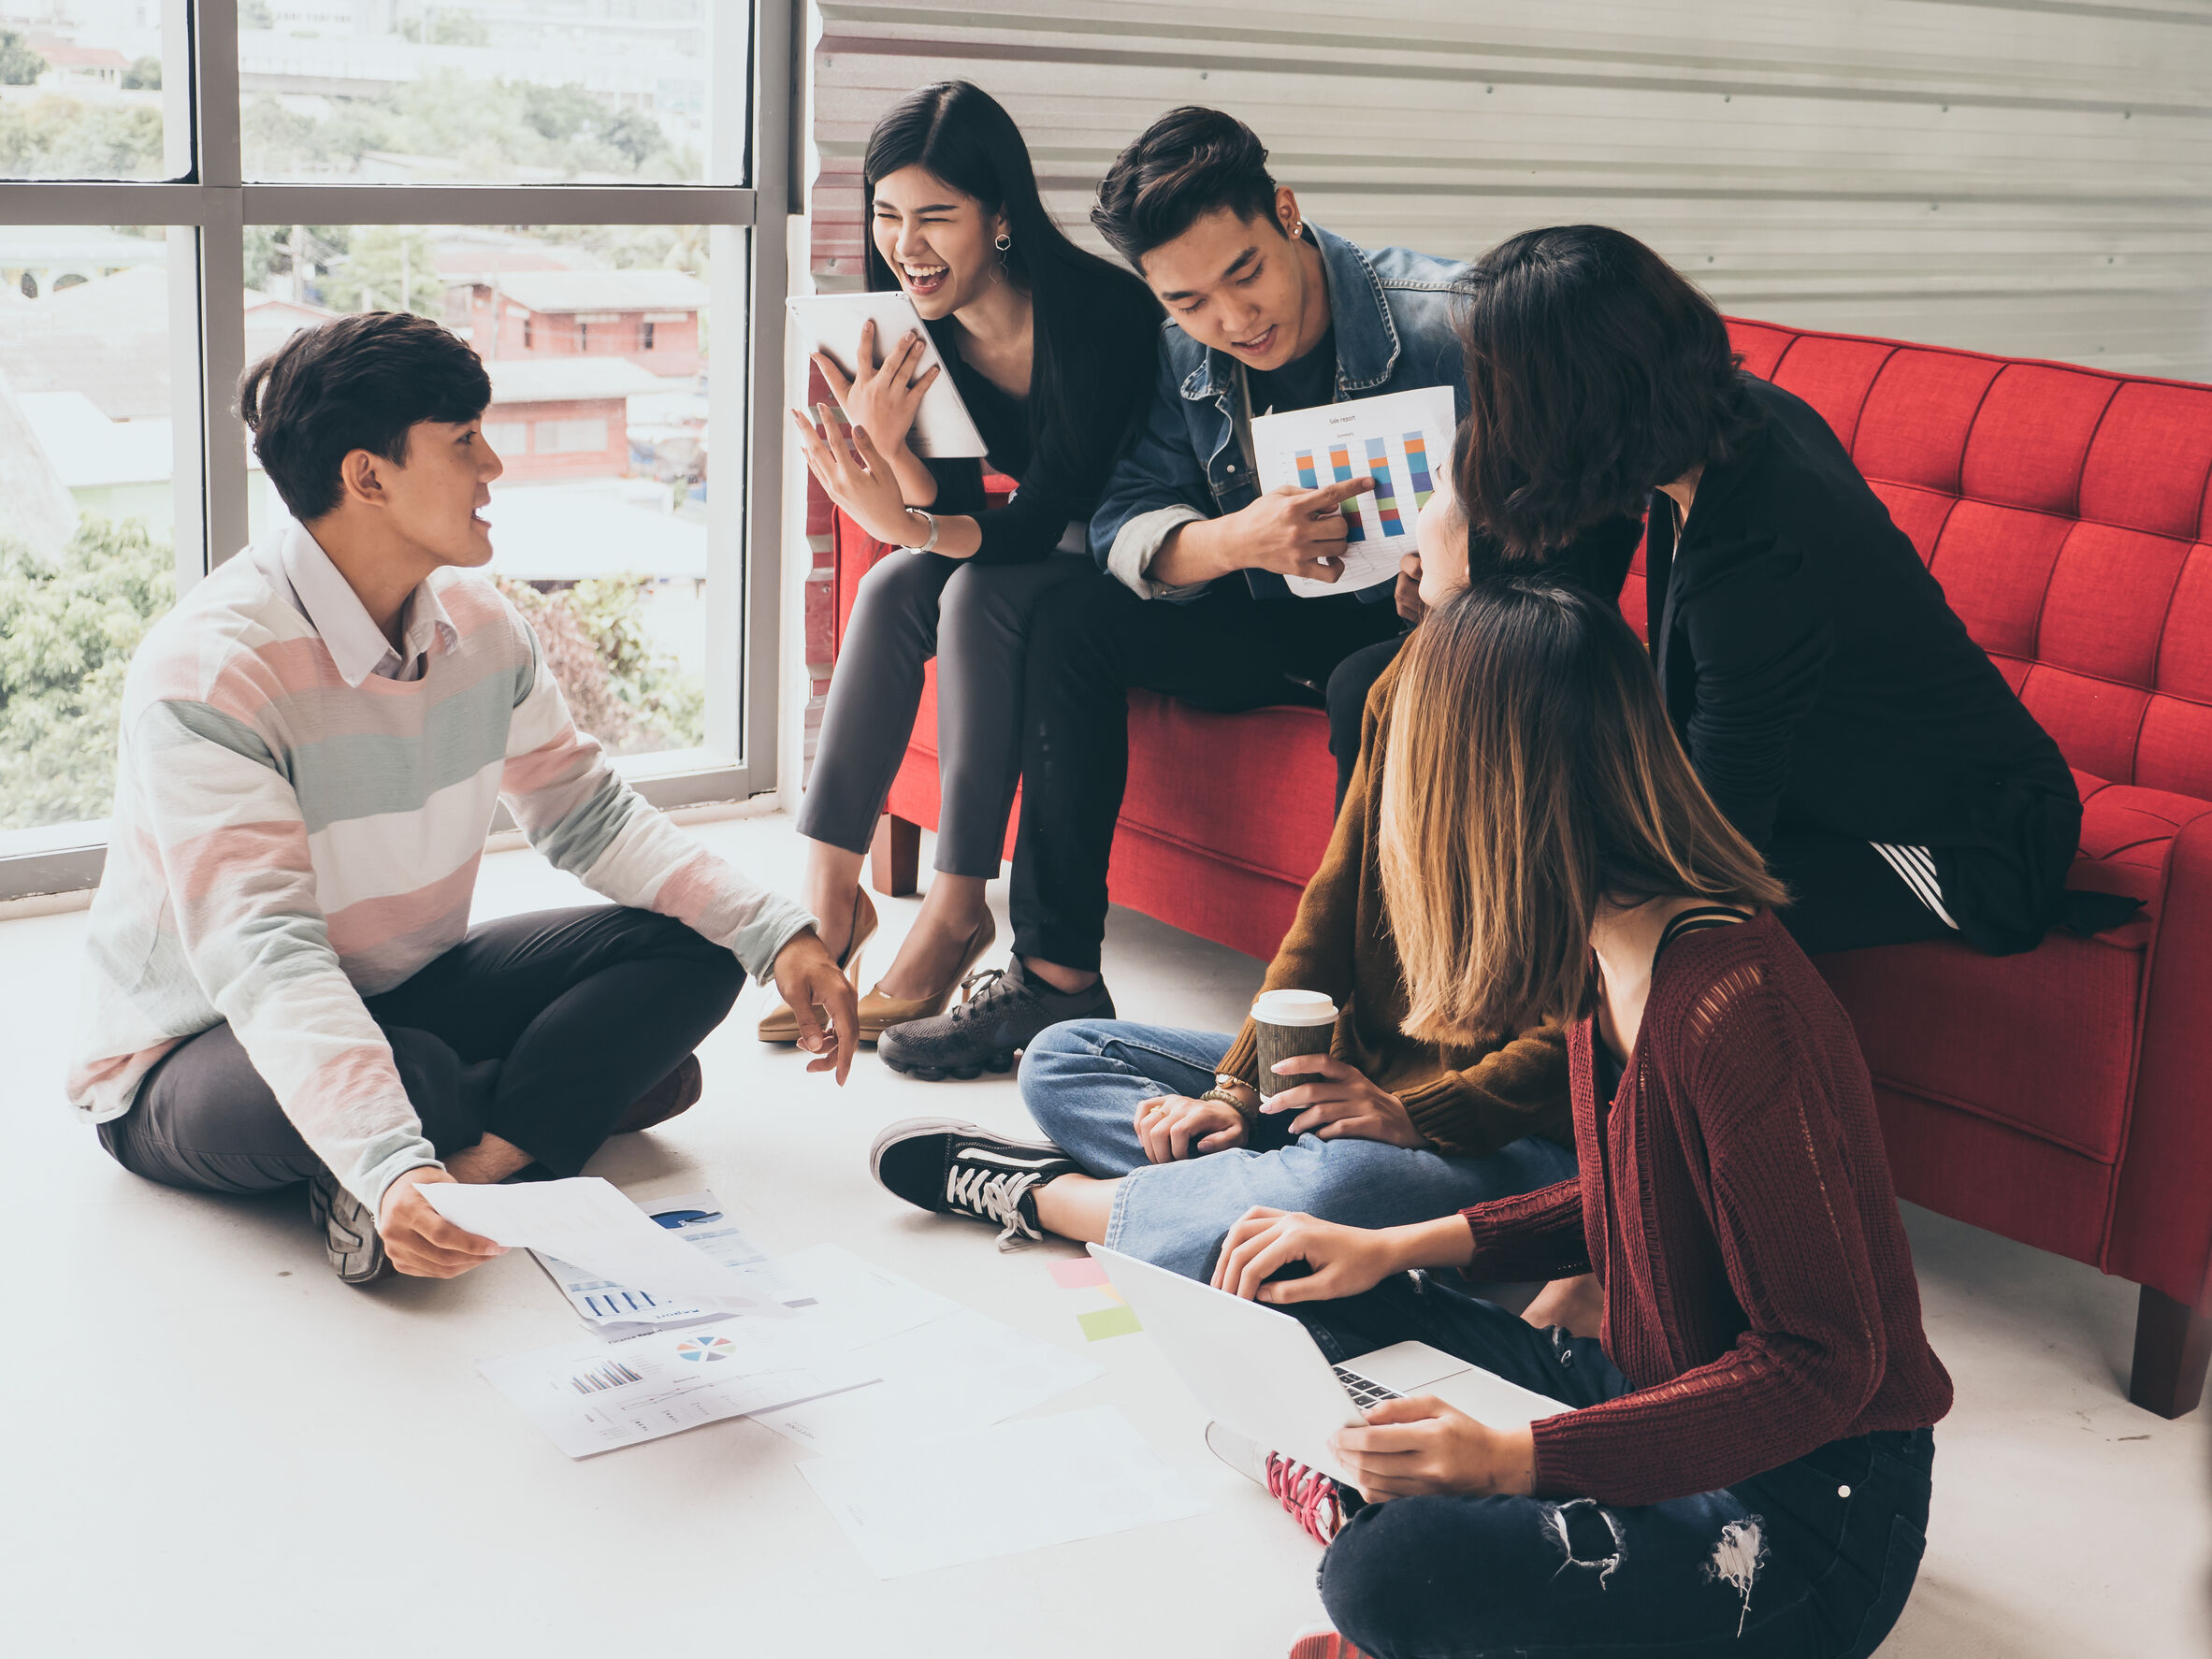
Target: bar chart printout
point(1416, 449)
point(1387, 441)
point(1386, 501)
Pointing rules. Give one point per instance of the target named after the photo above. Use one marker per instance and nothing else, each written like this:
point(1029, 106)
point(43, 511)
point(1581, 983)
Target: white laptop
point(1256, 1369)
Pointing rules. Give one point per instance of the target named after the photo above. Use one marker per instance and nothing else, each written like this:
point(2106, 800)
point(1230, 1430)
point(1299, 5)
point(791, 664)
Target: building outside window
point(569, 194)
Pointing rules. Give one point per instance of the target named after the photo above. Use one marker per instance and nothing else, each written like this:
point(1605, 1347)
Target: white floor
point(214, 1447)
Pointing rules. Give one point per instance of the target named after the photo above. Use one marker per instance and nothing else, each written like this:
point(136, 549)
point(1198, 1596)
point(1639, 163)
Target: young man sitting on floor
point(283, 986)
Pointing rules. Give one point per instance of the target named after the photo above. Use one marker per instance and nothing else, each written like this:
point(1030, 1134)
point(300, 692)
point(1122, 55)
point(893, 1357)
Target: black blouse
point(1105, 354)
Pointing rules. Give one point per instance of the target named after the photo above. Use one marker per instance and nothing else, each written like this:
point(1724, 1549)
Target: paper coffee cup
point(1289, 1023)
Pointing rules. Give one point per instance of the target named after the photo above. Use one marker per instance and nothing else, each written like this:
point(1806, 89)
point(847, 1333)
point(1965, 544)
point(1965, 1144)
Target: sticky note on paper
point(1108, 1321)
point(1078, 1273)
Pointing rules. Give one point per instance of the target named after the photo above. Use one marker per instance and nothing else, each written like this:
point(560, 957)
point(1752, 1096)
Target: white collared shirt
point(358, 647)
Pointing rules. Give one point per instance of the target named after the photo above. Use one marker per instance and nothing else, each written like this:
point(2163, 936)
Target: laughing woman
point(1052, 349)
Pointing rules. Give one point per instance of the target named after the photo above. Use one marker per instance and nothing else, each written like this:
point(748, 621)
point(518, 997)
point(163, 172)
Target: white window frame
point(207, 203)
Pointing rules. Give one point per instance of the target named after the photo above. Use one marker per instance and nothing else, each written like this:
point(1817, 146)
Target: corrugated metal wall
point(2029, 177)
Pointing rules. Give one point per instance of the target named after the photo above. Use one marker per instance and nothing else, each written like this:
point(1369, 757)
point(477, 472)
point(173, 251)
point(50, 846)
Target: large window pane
point(86, 562)
point(596, 342)
point(498, 92)
point(80, 89)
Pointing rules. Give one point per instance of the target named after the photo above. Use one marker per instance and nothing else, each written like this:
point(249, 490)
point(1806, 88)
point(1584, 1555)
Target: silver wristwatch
point(929, 519)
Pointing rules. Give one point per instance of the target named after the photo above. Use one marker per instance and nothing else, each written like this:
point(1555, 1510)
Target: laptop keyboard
point(1365, 1392)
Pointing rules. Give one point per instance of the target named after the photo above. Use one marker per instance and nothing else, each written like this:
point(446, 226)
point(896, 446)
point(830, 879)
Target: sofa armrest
point(2162, 1225)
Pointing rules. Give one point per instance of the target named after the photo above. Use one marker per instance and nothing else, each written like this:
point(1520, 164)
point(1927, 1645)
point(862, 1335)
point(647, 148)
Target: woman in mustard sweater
point(1157, 1141)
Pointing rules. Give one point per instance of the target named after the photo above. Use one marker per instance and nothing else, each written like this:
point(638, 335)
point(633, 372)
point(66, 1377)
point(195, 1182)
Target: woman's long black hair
point(960, 132)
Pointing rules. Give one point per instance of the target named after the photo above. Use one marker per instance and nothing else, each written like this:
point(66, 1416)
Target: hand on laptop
point(1419, 1445)
point(1345, 1107)
point(1172, 1127)
point(1344, 1260)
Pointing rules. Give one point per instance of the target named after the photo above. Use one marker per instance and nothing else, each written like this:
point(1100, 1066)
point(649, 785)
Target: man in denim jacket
point(1265, 311)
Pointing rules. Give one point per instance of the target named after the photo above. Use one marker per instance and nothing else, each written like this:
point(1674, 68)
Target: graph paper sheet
point(617, 1311)
point(589, 1397)
point(588, 1221)
point(1402, 442)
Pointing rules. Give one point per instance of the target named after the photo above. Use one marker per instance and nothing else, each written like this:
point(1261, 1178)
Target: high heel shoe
point(879, 1012)
point(779, 1024)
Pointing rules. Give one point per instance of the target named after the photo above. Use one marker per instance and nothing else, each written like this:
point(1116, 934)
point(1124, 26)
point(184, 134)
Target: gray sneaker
point(349, 1231)
point(999, 1012)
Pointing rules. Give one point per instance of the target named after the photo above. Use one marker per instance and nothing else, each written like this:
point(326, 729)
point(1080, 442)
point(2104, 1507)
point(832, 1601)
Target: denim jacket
point(1192, 459)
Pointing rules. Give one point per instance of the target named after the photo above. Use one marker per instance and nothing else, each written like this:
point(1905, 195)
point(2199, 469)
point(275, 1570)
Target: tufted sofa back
point(2067, 514)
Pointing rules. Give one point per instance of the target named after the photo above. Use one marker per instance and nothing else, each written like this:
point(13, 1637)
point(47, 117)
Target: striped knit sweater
point(284, 844)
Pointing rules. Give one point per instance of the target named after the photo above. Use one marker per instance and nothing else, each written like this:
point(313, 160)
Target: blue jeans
point(1081, 1081)
point(1810, 1561)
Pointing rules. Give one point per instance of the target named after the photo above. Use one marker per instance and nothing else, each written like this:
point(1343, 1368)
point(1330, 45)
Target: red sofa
point(2062, 1098)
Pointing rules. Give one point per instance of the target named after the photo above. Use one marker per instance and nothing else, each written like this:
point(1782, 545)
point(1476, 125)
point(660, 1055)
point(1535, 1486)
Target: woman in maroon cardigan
point(1745, 1468)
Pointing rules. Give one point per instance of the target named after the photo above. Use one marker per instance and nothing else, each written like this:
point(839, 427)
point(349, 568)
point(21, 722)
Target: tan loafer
point(879, 1012)
point(779, 1024)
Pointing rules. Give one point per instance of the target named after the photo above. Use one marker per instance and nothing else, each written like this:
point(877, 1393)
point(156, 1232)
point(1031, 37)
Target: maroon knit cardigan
point(1735, 1204)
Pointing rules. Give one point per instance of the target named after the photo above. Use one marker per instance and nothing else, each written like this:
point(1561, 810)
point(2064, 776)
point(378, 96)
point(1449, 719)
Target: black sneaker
point(999, 1012)
point(349, 1231)
point(957, 1169)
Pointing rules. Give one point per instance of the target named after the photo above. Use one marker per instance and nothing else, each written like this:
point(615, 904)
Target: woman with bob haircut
point(1742, 1459)
point(1052, 349)
point(1832, 703)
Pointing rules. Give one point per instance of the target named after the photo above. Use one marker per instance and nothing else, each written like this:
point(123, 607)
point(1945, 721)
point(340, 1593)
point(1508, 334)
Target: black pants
point(542, 1030)
point(1813, 1560)
point(1091, 642)
point(1844, 896)
point(1355, 676)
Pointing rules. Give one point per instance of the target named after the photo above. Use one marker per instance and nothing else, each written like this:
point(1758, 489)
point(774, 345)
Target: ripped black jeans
point(1810, 1561)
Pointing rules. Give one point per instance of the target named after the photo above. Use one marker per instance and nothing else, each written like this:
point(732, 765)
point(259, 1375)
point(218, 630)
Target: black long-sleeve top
point(1098, 341)
point(1814, 671)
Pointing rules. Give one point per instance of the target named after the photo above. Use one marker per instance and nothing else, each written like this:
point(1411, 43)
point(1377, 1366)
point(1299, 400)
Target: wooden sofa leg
point(894, 860)
point(2173, 1345)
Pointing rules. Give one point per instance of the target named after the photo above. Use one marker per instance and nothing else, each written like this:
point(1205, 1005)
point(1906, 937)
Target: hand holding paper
point(588, 1221)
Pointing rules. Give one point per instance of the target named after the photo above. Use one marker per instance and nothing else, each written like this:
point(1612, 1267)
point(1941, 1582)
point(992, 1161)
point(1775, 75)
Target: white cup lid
point(1294, 1007)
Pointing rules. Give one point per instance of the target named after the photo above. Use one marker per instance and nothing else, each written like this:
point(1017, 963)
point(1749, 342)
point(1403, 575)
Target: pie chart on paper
point(700, 1349)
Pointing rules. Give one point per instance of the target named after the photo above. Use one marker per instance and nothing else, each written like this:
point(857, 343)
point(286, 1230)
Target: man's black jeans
point(1810, 1561)
point(542, 1030)
point(1093, 641)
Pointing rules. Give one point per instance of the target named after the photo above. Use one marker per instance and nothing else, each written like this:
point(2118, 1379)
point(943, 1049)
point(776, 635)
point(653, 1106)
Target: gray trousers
point(974, 619)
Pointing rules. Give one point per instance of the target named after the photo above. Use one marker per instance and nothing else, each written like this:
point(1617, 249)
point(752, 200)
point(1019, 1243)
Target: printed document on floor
point(617, 1311)
point(588, 1221)
point(589, 1397)
point(999, 1490)
point(960, 1372)
point(1403, 441)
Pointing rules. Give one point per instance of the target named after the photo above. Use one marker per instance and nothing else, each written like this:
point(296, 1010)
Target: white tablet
point(943, 428)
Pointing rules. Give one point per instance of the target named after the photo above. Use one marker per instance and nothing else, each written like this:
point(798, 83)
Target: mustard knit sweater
point(1468, 1100)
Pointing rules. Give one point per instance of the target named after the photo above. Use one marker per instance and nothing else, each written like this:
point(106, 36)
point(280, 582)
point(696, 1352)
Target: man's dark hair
point(354, 382)
point(1184, 166)
point(1594, 373)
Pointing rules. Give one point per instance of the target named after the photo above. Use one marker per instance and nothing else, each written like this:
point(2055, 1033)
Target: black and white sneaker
point(999, 1012)
point(956, 1169)
point(349, 1238)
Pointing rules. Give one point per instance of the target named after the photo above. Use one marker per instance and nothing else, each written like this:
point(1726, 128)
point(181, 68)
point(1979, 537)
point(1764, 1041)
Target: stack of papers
point(588, 1221)
point(906, 1390)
